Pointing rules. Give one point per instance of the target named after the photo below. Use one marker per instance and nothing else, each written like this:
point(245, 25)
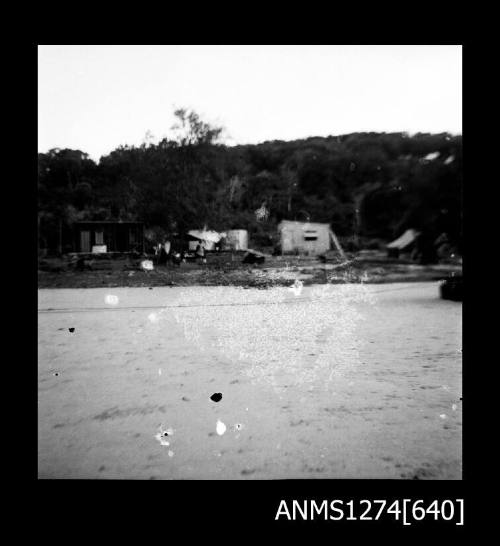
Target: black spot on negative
point(216, 397)
point(71, 329)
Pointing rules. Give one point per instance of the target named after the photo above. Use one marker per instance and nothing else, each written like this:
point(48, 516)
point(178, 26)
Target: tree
point(192, 131)
point(365, 184)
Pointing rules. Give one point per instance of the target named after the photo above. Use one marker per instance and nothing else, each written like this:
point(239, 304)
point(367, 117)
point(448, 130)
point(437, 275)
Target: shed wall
point(117, 237)
point(294, 237)
point(237, 239)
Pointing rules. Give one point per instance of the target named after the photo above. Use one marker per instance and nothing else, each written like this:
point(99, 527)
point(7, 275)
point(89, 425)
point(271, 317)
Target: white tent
point(208, 238)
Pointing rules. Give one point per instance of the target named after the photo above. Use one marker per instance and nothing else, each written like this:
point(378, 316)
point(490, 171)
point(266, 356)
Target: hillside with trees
point(366, 185)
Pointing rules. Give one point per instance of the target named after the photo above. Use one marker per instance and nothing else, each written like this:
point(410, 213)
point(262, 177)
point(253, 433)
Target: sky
point(97, 97)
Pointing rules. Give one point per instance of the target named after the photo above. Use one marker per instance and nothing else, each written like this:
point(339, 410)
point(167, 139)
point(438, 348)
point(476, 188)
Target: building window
point(310, 235)
point(99, 237)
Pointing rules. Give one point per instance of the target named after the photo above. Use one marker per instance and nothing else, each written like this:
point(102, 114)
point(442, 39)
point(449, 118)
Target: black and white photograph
point(249, 262)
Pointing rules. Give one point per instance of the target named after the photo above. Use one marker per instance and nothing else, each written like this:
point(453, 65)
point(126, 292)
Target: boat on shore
point(452, 288)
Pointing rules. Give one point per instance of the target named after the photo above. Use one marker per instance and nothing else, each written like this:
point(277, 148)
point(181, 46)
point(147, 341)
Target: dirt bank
point(227, 270)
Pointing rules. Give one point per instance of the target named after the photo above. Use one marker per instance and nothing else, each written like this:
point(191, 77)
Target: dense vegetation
point(366, 185)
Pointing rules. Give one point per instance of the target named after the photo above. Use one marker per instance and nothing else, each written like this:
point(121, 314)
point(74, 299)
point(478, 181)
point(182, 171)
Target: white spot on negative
point(110, 299)
point(153, 317)
point(220, 428)
point(170, 453)
point(296, 287)
point(443, 416)
point(162, 435)
point(454, 407)
point(161, 438)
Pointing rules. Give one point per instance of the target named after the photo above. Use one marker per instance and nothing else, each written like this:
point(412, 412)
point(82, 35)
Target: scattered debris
point(252, 257)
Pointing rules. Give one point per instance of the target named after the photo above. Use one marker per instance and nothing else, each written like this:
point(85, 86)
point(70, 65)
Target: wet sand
point(336, 382)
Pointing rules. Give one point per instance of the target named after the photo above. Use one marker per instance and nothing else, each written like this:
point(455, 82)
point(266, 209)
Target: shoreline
point(368, 267)
point(58, 281)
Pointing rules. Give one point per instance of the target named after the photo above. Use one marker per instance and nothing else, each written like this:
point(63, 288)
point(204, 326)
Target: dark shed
point(114, 236)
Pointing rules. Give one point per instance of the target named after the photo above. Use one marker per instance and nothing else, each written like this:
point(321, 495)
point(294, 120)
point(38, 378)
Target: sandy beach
point(332, 381)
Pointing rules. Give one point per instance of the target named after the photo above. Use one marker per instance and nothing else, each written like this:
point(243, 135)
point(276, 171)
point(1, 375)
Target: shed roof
point(293, 223)
point(205, 235)
point(406, 239)
point(107, 222)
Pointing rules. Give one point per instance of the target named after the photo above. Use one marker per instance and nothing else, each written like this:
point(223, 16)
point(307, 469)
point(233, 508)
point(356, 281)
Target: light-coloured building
point(237, 239)
point(311, 238)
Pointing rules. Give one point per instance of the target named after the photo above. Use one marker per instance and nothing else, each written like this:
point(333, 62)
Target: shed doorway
point(85, 241)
